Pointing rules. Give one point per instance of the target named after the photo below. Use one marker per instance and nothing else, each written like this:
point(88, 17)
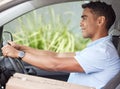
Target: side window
point(54, 28)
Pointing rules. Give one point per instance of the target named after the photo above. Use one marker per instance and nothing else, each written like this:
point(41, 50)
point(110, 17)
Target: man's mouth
point(83, 29)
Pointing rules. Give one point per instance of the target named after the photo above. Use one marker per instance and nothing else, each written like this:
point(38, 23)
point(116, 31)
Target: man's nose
point(81, 23)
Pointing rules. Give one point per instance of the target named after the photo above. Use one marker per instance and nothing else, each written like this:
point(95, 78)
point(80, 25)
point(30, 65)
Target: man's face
point(88, 24)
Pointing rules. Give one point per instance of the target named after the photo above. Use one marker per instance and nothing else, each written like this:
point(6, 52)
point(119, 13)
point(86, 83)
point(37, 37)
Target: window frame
point(12, 12)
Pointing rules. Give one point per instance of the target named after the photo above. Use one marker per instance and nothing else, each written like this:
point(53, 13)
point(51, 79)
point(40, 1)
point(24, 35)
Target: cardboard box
point(23, 81)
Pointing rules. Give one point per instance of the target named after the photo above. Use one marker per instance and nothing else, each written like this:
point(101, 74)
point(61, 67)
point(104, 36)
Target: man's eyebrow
point(83, 16)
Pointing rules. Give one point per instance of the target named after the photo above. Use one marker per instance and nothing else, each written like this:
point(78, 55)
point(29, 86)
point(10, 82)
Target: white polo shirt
point(100, 62)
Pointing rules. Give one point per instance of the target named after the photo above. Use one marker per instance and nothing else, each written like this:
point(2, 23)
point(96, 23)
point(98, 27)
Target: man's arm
point(40, 52)
point(53, 63)
point(58, 62)
point(31, 50)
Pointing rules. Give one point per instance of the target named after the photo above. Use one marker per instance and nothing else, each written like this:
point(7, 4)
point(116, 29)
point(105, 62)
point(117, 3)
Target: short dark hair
point(102, 9)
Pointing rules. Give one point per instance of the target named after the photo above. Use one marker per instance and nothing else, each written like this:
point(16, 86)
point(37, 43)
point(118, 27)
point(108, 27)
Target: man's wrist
point(21, 54)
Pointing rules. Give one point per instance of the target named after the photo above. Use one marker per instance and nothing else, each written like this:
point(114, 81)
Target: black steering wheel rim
point(17, 65)
point(9, 66)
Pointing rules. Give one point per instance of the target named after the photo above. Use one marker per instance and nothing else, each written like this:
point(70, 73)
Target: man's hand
point(13, 44)
point(10, 51)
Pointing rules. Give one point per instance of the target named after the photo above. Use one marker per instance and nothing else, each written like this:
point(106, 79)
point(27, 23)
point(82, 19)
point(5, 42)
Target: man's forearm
point(68, 54)
point(45, 52)
point(36, 51)
point(53, 63)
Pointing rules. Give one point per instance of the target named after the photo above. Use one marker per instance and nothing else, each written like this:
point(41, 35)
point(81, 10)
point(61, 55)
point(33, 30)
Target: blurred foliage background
point(49, 32)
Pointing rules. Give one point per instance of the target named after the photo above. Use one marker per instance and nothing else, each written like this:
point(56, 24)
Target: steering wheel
point(8, 66)
point(16, 65)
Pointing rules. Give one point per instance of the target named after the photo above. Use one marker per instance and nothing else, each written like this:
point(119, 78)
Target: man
point(95, 65)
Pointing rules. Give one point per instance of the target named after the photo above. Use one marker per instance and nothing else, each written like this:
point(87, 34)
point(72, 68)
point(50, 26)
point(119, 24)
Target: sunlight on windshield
point(2, 2)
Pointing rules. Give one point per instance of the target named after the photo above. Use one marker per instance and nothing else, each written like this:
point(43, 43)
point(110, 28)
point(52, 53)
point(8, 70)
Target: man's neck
point(99, 35)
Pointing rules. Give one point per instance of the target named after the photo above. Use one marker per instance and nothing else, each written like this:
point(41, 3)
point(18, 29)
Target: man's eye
point(84, 18)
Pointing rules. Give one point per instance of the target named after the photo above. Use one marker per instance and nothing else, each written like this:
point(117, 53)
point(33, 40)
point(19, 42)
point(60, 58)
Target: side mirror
point(7, 36)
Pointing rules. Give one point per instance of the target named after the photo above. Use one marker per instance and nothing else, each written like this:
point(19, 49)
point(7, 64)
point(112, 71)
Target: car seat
point(114, 83)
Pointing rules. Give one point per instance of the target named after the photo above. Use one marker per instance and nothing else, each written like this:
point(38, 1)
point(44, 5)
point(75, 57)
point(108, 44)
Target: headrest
point(116, 42)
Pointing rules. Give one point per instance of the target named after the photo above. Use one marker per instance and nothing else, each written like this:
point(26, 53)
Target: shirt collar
point(99, 40)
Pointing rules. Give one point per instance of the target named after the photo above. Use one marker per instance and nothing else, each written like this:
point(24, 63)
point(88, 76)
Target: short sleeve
point(91, 61)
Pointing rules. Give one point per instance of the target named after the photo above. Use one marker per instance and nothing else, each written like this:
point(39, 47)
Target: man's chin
point(85, 36)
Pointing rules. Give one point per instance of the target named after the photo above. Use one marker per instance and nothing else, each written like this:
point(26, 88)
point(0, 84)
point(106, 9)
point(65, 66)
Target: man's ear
point(101, 20)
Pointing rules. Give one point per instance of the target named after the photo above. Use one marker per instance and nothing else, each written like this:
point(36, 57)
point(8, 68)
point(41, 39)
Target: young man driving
point(95, 65)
